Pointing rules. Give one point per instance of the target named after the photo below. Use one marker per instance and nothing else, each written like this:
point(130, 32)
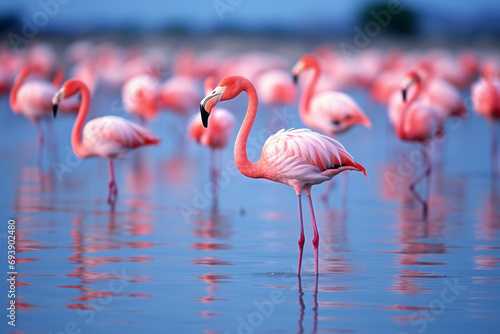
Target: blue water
point(170, 258)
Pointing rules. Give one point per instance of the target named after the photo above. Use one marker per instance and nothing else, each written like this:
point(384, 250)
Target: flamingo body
point(111, 137)
point(139, 95)
point(302, 158)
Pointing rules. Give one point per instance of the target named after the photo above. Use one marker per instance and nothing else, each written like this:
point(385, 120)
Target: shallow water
point(171, 258)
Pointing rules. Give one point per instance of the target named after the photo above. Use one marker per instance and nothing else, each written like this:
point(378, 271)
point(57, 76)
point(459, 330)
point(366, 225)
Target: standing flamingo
point(329, 112)
point(32, 99)
point(299, 158)
point(215, 137)
point(140, 96)
point(416, 121)
point(486, 102)
point(106, 137)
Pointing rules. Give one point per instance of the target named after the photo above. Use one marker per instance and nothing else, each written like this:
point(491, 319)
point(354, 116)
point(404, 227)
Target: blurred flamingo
point(107, 137)
point(329, 112)
point(300, 158)
point(179, 94)
point(215, 137)
point(140, 96)
point(32, 99)
point(486, 102)
point(276, 88)
point(416, 121)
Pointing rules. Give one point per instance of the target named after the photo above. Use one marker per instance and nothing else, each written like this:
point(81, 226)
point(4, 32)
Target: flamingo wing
point(333, 112)
point(306, 157)
point(111, 136)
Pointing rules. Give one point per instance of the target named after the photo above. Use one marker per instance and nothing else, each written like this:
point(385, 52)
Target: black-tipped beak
point(54, 109)
point(204, 115)
point(404, 94)
point(295, 78)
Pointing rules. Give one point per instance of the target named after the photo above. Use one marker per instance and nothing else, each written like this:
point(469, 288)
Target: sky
point(207, 15)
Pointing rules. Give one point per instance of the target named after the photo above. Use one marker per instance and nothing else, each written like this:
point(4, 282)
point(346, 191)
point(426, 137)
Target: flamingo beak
point(58, 97)
point(404, 94)
point(209, 102)
point(295, 78)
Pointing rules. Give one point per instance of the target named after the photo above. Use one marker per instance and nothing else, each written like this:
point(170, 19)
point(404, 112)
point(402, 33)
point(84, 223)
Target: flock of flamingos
point(420, 89)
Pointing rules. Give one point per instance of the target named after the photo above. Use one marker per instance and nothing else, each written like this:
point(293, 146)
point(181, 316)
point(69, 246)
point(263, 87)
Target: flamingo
point(276, 88)
point(486, 102)
point(217, 136)
point(329, 112)
point(107, 137)
point(299, 158)
point(32, 99)
point(416, 121)
point(140, 95)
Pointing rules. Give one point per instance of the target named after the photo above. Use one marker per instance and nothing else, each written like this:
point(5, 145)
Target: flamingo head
point(209, 102)
point(411, 78)
point(69, 88)
point(307, 61)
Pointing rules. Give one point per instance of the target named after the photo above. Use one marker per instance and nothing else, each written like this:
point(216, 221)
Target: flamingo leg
point(40, 133)
point(315, 240)
point(494, 150)
point(113, 190)
point(426, 174)
point(302, 239)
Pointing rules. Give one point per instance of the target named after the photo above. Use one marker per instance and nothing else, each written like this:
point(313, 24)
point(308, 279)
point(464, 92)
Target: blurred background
point(467, 20)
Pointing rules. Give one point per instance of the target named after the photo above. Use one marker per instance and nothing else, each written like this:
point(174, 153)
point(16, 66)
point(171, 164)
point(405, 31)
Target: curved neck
point(15, 89)
point(76, 138)
point(309, 91)
point(245, 166)
point(406, 106)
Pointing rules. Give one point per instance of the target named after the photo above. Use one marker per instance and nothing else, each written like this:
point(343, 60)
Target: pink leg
point(345, 182)
point(426, 174)
point(315, 240)
point(302, 239)
point(40, 133)
point(113, 190)
point(494, 150)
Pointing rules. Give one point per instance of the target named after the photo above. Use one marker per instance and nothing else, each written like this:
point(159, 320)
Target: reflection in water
point(213, 229)
point(335, 243)
point(303, 306)
point(487, 228)
point(88, 240)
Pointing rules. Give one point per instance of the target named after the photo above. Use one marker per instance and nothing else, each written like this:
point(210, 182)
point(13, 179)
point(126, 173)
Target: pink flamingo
point(329, 112)
point(486, 102)
point(140, 96)
point(32, 99)
point(179, 94)
point(106, 137)
point(215, 137)
point(276, 88)
point(418, 122)
point(299, 158)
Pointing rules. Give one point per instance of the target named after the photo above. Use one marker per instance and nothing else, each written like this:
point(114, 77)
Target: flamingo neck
point(309, 91)
point(245, 166)
point(13, 92)
point(406, 105)
point(76, 138)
